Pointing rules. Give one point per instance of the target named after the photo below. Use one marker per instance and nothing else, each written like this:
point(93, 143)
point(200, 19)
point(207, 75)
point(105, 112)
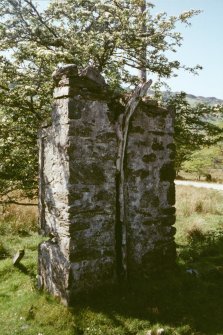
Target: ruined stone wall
point(79, 201)
point(150, 190)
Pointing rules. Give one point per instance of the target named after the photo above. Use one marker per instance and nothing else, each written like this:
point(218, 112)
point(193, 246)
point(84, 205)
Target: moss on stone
point(149, 158)
point(157, 146)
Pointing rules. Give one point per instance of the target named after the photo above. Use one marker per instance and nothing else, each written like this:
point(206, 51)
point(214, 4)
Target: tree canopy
point(195, 127)
point(107, 34)
point(203, 162)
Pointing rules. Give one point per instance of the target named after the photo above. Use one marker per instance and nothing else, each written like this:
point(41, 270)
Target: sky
point(202, 45)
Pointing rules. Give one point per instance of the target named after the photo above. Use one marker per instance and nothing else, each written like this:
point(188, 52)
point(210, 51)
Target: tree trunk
point(142, 71)
point(122, 129)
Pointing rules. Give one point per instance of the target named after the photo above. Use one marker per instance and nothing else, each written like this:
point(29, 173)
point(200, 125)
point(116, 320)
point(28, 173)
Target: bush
point(195, 235)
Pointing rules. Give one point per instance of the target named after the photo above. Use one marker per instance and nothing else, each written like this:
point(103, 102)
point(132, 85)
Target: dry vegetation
point(199, 225)
point(18, 219)
point(198, 208)
point(191, 200)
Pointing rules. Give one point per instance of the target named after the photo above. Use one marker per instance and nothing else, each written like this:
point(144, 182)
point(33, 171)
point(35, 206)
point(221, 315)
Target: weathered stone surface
point(93, 239)
point(61, 92)
point(150, 193)
point(54, 271)
point(92, 74)
point(77, 190)
point(66, 71)
point(149, 158)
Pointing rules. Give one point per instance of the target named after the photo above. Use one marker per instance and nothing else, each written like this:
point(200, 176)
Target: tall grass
point(192, 200)
point(199, 226)
point(199, 211)
point(18, 220)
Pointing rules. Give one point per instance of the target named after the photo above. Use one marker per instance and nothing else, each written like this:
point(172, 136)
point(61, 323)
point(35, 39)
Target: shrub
point(195, 234)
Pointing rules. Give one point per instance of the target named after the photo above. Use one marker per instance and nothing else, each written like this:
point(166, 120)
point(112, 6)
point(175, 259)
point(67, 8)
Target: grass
point(18, 220)
point(200, 229)
point(187, 301)
point(193, 202)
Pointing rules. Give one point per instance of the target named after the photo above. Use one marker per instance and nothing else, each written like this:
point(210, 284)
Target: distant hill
point(193, 99)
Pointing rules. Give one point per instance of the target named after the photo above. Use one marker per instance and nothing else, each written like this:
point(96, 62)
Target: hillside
point(193, 99)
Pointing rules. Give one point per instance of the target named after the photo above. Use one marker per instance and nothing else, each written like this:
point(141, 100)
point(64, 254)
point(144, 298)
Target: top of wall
point(69, 81)
point(88, 83)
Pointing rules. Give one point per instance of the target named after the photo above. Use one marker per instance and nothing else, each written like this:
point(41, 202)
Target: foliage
point(202, 162)
point(195, 127)
point(106, 34)
point(24, 104)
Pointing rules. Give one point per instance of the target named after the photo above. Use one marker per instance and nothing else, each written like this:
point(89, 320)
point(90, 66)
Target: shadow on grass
point(27, 271)
point(177, 298)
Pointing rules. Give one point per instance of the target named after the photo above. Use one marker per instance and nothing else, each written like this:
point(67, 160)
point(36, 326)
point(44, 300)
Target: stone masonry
point(98, 237)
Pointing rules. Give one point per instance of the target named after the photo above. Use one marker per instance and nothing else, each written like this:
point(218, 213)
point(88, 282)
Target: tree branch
point(122, 129)
point(12, 202)
point(40, 18)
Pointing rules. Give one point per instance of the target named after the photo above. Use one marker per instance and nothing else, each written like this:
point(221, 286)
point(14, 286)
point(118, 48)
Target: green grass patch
point(185, 301)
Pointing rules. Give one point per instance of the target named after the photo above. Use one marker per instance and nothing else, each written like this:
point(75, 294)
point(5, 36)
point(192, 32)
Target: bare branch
point(12, 202)
point(40, 17)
